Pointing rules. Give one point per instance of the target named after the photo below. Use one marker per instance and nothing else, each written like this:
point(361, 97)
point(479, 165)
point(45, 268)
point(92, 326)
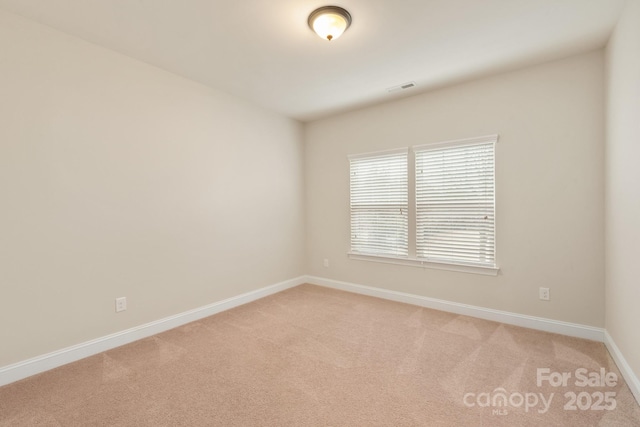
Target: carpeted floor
point(312, 356)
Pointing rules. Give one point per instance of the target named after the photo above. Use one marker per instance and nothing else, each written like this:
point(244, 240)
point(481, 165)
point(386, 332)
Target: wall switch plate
point(326, 262)
point(121, 304)
point(544, 294)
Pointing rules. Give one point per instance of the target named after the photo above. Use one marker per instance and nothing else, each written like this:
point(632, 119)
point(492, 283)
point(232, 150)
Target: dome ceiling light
point(329, 22)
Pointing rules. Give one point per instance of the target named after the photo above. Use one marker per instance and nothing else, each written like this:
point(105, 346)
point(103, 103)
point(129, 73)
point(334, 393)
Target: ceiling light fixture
point(329, 22)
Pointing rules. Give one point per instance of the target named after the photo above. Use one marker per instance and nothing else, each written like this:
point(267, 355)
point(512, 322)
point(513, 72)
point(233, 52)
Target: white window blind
point(455, 202)
point(379, 204)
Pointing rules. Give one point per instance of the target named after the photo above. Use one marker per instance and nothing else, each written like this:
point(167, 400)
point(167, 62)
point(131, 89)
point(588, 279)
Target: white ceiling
point(263, 50)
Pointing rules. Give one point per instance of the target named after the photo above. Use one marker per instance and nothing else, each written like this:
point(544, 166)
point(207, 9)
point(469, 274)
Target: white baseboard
point(539, 323)
point(27, 368)
point(630, 377)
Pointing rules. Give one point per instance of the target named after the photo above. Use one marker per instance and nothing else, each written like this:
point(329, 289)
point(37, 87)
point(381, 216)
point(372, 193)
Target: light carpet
point(312, 356)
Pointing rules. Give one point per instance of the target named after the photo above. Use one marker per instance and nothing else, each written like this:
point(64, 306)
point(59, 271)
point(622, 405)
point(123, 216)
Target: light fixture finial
point(329, 22)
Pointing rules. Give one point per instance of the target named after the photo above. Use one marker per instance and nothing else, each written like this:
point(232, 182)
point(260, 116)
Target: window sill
point(414, 262)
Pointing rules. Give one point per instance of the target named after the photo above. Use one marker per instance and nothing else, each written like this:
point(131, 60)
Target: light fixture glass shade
point(329, 22)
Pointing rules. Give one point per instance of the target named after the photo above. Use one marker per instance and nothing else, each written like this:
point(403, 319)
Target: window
point(455, 212)
point(447, 222)
point(379, 204)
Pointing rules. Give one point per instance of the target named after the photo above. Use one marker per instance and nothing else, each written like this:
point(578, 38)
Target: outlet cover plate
point(544, 294)
point(121, 304)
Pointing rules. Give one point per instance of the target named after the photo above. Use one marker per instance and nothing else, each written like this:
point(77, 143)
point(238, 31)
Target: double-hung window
point(450, 215)
point(455, 202)
point(379, 204)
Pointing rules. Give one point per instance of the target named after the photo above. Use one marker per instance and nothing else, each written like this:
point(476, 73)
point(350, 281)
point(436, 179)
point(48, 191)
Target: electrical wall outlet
point(121, 304)
point(326, 262)
point(544, 294)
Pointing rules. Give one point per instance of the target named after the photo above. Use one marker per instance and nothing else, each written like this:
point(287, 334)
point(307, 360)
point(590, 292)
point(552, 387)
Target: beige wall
point(119, 179)
point(623, 186)
point(550, 171)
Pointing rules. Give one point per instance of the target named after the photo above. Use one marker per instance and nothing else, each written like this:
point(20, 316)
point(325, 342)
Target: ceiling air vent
point(403, 86)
